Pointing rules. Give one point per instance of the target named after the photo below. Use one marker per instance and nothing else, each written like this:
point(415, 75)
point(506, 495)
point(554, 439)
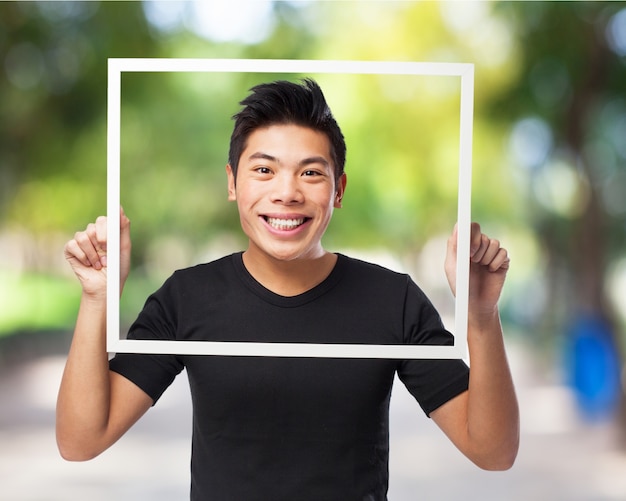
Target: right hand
point(87, 255)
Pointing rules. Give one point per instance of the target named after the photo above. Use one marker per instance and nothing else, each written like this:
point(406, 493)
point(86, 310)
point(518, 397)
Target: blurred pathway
point(561, 459)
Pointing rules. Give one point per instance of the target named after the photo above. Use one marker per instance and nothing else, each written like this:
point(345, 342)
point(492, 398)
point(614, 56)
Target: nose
point(287, 190)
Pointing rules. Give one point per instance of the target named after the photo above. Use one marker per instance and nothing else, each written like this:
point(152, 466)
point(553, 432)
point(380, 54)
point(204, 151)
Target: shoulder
point(366, 274)
point(222, 266)
point(198, 278)
point(369, 269)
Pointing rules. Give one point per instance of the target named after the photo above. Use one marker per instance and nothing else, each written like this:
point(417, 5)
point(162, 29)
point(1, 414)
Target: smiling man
point(284, 428)
point(285, 189)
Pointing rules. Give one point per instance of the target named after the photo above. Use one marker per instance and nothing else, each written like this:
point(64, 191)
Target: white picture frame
point(118, 344)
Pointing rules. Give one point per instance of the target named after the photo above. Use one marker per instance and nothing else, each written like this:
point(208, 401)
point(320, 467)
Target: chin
point(287, 255)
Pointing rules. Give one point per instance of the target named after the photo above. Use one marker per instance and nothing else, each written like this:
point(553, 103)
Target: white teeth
point(284, 224)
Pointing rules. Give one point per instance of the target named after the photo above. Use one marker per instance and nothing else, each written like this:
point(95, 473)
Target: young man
point(284, 428)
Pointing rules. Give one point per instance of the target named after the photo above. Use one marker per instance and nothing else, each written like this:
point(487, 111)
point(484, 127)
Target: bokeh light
point(531, 142)
point(616, 33)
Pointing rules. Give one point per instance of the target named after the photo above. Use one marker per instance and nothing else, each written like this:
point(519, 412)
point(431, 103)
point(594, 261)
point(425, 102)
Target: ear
point(341, 189)
point(232, 193)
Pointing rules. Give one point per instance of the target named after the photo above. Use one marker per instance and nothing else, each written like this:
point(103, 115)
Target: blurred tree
point(53, 67)
point(53, 105)
point(569, 107)
point(53, 115)
point(402, 134)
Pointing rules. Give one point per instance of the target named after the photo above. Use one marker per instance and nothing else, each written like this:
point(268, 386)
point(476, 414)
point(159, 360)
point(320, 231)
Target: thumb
point(125, 246)
point(453, 241)
point(450, 261)
point(124, 229)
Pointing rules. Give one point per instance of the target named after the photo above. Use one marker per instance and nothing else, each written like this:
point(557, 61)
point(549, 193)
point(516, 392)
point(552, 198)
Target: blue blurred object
point(593, 366)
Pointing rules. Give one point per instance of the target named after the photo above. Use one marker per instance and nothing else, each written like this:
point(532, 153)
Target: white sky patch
point(245, 21)
point(249, 22)
point(165, 16)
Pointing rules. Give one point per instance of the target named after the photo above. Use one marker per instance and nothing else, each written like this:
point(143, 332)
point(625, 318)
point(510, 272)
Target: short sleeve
point(157, 320)
point(432, 382)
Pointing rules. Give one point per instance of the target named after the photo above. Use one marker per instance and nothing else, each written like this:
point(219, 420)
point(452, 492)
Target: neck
point(289, 278)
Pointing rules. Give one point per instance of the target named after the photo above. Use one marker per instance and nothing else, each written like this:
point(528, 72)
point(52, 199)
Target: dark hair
point(281, 103)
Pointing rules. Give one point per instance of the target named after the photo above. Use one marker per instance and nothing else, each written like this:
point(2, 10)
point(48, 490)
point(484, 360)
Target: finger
point(125, 246)
point(86, 241)
point(481, 248)
point(97, 233)
point(124, 230)
point(101, 239)
point(493, 247)
point(123, 217)
point(453, 240)
point(101, 233)
point(501, 261)
point(73, 252)
point(475, 239)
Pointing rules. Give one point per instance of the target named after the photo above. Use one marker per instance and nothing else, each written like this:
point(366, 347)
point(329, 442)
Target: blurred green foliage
point(568, 108)
point(533, 60)
point(36, 301)
point(53, 100)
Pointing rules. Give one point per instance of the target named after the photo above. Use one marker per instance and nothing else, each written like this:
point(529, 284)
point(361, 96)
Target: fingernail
point(103, 261)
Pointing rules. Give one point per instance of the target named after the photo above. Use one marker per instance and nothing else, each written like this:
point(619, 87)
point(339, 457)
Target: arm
point(483, 422)
point(95, 406)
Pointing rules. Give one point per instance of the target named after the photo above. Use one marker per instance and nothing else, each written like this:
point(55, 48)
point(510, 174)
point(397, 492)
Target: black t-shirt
point(292, 428)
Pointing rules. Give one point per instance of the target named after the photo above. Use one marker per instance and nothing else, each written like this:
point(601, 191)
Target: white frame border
point(116, 345)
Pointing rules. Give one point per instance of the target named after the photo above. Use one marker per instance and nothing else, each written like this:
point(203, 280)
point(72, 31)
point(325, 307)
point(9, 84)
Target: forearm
point(492, 408)
point(483, 422)
point(84, 394)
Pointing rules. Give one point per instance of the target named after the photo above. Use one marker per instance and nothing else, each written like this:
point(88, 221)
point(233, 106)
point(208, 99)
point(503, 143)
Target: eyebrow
point(262, 156)
point(259, 155)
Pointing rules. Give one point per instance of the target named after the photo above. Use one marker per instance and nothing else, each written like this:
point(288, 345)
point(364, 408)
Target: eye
point(311, 172)
point(263, 170)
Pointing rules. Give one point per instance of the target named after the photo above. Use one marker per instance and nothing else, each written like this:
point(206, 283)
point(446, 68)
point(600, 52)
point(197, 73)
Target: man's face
point(285, 191)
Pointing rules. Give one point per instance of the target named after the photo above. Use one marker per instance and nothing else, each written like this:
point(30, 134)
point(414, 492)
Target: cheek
point(246, 202)
point(242, 197)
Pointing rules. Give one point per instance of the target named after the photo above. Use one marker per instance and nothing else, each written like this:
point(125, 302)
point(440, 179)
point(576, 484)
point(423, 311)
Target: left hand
point(489, 263)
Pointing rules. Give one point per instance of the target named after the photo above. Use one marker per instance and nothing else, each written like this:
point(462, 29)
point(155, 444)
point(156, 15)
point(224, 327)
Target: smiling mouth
point(285, 224)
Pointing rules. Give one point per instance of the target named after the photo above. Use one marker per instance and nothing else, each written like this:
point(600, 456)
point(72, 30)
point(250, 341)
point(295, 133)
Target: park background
point(549, 180)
